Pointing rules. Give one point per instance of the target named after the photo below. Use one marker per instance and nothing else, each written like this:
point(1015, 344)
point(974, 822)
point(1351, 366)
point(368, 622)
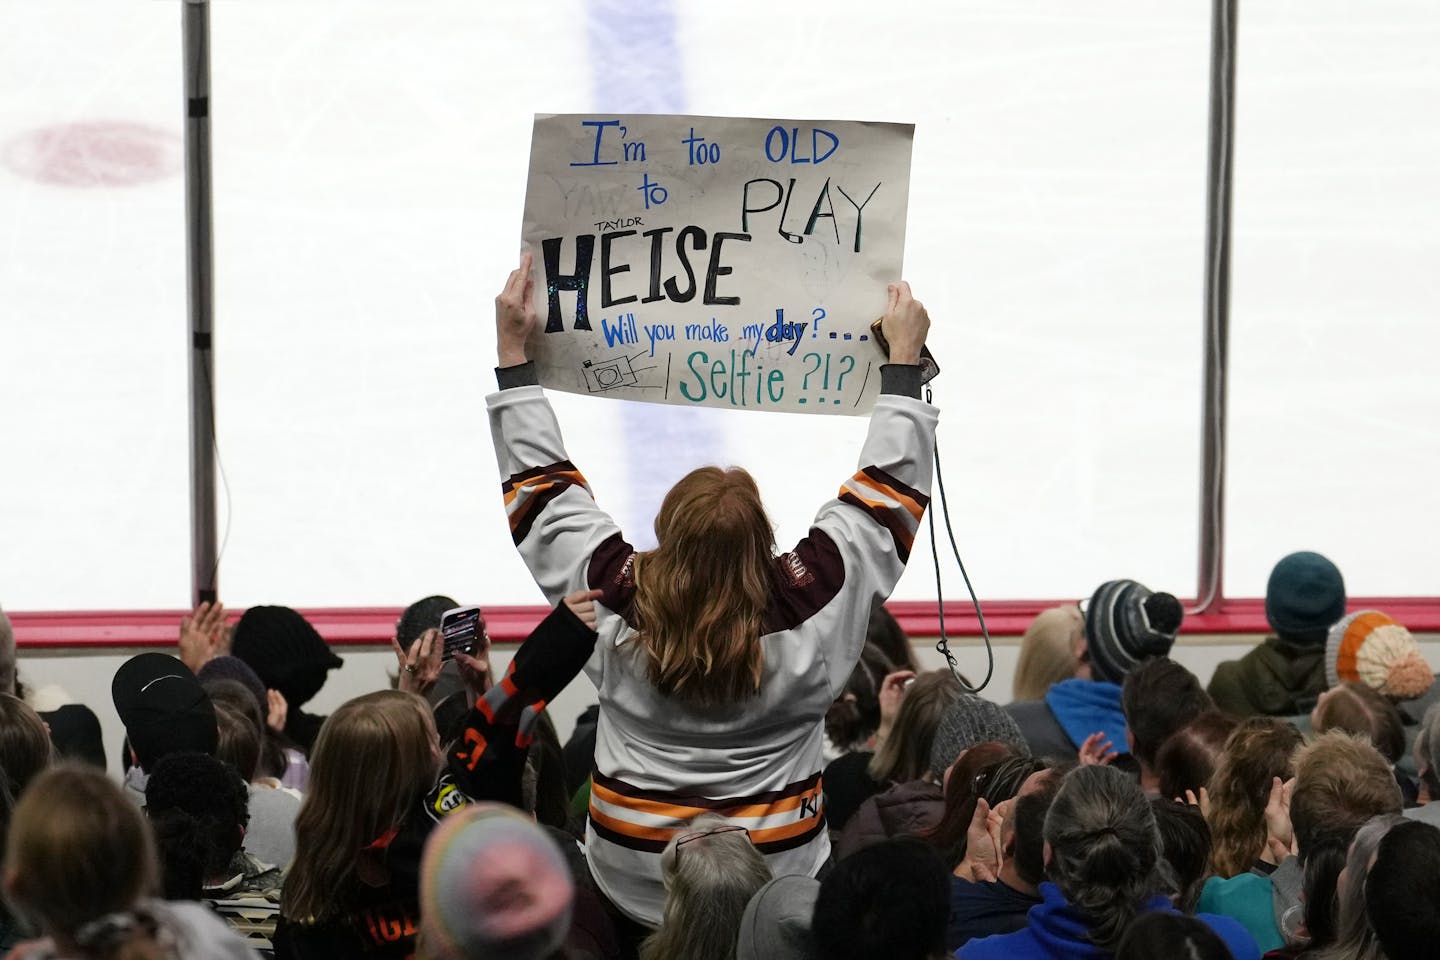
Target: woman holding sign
point(716, 658)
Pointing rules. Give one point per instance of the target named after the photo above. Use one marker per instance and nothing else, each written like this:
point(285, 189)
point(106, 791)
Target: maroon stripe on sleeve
point(887, 519)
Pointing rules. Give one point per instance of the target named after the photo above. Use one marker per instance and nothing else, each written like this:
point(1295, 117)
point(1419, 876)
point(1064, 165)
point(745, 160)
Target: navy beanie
point(1305, 597)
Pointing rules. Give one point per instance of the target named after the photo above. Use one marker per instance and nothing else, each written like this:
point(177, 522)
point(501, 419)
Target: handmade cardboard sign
point(715, 261)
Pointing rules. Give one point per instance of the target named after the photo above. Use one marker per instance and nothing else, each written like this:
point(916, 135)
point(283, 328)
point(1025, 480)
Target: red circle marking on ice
point(94, 153)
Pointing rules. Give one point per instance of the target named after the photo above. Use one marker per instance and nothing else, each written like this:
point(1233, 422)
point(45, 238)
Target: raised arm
point(860, 541)
point(554, 520)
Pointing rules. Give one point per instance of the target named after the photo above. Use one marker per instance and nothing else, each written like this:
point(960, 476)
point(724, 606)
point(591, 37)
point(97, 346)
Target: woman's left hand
point(420, 666)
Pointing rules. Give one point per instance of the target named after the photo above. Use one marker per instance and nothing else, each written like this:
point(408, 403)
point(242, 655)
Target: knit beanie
point(1370, 648)
point(493, 886)
point(969, 721)
point(1304, 598)
point(163, 707)
point(233, 668)
point(286, 652)
point(1125, 622)
point(776, 924)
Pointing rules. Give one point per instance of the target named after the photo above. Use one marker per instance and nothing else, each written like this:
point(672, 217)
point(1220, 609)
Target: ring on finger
point(410, 668)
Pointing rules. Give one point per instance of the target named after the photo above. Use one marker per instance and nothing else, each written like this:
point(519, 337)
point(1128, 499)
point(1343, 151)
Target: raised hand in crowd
point(906, 324)
point(420, 665)
point(276, 710)
point(892, 694)
point(203, 636)
point(983, 850)
point(515, 315)
point(1279, 833)
point(1097, 751)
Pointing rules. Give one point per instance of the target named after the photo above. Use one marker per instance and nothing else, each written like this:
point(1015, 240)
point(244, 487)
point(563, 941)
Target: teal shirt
point(1249, 899)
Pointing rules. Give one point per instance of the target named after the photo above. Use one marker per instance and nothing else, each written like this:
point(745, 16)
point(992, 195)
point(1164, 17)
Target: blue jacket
point(1055, 932)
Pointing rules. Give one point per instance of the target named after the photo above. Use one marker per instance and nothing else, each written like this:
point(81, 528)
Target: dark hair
point(1104, 850)
point(1163, 934)
point(1187, 758)
point(963, 788)
point(1030, 812)
point(1356, 708)
point(25, 752)
point(199, 809)
point(855, 714)
point(270, 754)
point(1159, 697)
point(1185, 844)
point(886, 633)
point(239, 744)
point(1402, 891)
point(890, 900)
point(420, 616)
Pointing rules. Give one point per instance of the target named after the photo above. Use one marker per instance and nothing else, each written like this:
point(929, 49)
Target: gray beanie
point(776, 924)
point(970, 721)
point(1125, 623)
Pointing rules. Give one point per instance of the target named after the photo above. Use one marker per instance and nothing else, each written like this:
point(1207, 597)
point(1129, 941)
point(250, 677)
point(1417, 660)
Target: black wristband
point(902, 379)
point(520, 375)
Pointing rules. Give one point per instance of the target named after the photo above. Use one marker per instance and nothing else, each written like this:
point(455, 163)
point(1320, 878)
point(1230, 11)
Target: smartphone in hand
point(463, 630)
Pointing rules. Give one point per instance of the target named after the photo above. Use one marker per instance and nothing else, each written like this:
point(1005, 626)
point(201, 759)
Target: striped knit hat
point(1125, 623)
point(1370, 648)
point(493, 886)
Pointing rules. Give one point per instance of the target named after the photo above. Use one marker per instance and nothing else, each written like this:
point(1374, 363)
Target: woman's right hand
point(905, 324)
point(515, 315)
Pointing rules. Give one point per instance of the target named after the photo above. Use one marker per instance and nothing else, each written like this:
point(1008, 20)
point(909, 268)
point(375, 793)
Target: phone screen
point(461, 630)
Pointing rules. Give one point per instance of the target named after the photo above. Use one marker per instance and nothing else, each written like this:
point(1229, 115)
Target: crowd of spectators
point(769, 772)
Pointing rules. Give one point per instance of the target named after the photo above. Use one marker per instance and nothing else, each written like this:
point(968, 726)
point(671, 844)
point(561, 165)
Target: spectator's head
point(1402, 892)
point(1126, 623)
point(1188, 757)
point(855, 715)
point(230, 669)
point(1353, 936)
point(776, 924)
point(1161, 934)
point(969, 721)
point(711, 871)
point(888, 900)
point(1159, 697)
point(700, 594)
point(7, 655)
point(1052, 649)
point(239, 741)
point(1304, 596)
point(493, 886)
point(992, 771)
point(1022, 834)
point(1427, 754)
point(163, 707)
point(905, 753)
point(25, 747)
point(1185, 842)
point(420, 616)
point(1340, 782)
point(1370, 648)
point(199, 808)
point(347, 807)
point(1357, 709)
point(886, 633)
point(1260, 749)
point(1104, 849)
point(78, 850)
point(285, 651)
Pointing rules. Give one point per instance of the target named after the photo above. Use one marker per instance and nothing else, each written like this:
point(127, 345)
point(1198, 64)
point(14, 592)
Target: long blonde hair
point(700, 594)
point(1047, 652)
point(374, 759)
point(79, 851)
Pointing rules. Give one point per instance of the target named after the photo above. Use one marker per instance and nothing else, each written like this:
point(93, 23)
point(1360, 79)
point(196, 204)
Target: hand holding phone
point(463, 630)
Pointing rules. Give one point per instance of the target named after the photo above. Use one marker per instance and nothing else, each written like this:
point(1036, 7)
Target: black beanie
point(163, 707)
point(285, 650)
point(1126, 623)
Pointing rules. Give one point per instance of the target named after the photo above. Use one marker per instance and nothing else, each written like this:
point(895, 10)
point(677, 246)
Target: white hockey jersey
point(662, 762)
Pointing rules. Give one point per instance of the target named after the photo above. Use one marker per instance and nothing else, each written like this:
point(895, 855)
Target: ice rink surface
point(369, 173)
